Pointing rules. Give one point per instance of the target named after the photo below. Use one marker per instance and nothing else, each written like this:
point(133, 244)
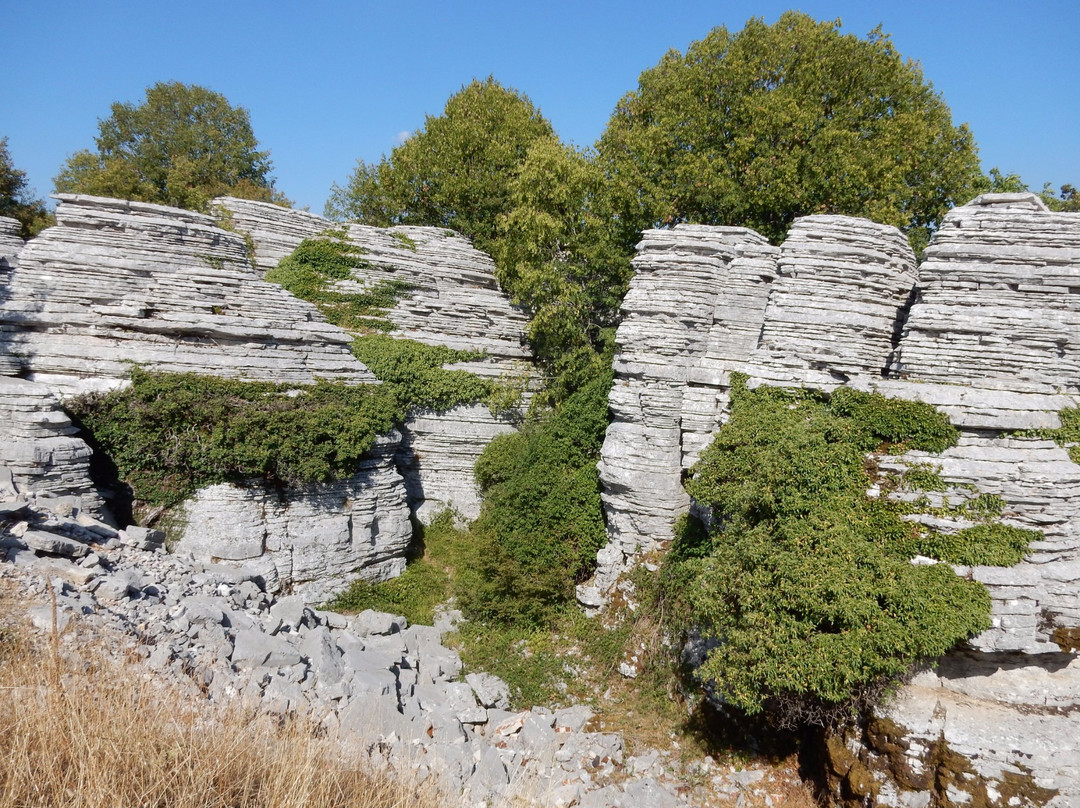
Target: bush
point(414, 372)
point(542, 519)
point(805, 580)
point(172, 433)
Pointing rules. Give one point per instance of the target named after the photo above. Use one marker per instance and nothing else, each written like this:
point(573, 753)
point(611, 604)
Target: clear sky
point(330, 82)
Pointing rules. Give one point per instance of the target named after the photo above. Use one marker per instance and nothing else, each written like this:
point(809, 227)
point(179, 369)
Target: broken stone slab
point(252, 648)
point(490, 690)
point(54, 544)
point(370, 622)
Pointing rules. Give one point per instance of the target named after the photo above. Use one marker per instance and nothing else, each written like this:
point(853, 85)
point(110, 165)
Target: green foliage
point(406, 242)
point(182, 146)
point(806, 581)
point(455, 172)
point(992, 544)
point(170, 434)
point(16, 199)
point(310, 271)
point(542, 520)
point(414, 372)
point(555, 253)
point(783, 120)
point(906, 424)
point(425, 584)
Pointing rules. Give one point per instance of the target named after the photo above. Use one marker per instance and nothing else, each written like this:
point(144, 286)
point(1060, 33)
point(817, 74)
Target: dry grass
point(83, 731)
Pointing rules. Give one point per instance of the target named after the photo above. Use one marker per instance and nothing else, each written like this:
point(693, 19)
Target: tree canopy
point(455, 172)
point(783, 120)
point(16, 199)
point(182, 146)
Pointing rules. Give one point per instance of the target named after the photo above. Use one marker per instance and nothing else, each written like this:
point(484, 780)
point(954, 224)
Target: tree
point(555, 253)
point(455, 172)
point(16, 199)
point(182, 146)
point(781, 121)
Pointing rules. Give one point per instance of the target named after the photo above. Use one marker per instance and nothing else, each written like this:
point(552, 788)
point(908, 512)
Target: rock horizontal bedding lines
point(117, 283)
point(455, 301)
point(985, 331)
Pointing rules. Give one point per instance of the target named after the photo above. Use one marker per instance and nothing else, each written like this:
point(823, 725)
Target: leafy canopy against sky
point(340, 80)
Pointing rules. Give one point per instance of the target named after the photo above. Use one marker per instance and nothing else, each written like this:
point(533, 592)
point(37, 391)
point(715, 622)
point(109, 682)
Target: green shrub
point(172, 433)
point(807, 581)
point(993, 544)
point(542, 520)
point(414, 371)
point(316, 264)
point(1068, 435)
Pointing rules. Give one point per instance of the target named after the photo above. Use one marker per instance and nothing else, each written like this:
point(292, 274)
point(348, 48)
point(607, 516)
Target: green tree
point(182, 146)
point(16, 199)
point(779, 121)
point(555, 252)
point(455, 172)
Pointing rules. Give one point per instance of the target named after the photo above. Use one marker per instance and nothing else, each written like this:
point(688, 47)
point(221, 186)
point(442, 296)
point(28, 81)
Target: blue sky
point(329, 82)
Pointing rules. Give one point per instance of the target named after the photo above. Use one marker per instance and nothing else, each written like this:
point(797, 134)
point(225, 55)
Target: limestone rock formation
point(39, 450)
point(117, 282)
point(316, 540)
point(454, 301)
point(984, 330)
point(10, 239)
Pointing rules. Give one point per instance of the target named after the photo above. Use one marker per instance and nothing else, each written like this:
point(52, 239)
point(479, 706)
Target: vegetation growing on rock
point(170, 434)
point(16, 198)
point(804, 580)
point(313, 268)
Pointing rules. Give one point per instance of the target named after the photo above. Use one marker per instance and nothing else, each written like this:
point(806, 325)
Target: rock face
point(116, 283)
point(985, 331)
point(454, 301)
point(314, 541)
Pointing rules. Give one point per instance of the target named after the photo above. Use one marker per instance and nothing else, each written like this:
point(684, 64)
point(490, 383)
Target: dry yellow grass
point(87, 732)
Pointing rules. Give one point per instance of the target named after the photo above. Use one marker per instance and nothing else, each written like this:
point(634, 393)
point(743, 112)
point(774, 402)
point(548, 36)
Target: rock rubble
point(391, 690)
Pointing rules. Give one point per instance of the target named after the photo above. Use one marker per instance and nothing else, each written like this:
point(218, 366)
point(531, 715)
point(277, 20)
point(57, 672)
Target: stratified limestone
point(999, 299)
point(683, 278)
point(454, 301)
point(10, 237)
point(118, 283)
point(38, 447)
point(316, 540)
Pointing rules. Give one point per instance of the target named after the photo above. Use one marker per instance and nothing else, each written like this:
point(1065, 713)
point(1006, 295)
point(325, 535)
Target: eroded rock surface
point(985, 331)
point(454, 301)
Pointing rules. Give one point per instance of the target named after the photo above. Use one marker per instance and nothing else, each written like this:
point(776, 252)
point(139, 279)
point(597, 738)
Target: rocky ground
point(369, 678)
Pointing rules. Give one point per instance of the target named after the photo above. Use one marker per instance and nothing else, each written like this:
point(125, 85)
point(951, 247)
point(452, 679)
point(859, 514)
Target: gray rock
point(45, 542)
point(490, 690)
point(252, 648)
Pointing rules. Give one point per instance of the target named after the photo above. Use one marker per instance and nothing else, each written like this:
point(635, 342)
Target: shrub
point(310, 271)
point(172, 433)
point(414, 371)
point(805, 581)
point(542, 519)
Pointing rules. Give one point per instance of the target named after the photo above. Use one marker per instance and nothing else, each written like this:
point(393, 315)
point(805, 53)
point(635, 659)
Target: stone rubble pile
point(392, 689)
point(453, 300)
point(983, 330)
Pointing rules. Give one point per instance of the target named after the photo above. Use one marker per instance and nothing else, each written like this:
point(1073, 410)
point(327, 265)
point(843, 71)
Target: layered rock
point(454, 300)
point(10, 237)
point(315, 540)
point(39, 450)
point(984, 332)
point(117, 283)
point(999, 299)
